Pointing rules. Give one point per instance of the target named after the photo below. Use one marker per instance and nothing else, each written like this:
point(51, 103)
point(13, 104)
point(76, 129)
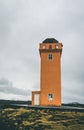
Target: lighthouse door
point(36, 99)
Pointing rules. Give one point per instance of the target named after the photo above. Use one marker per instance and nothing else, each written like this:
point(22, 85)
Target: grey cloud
point(23, 24)
point(7, 88)
point(72, 90)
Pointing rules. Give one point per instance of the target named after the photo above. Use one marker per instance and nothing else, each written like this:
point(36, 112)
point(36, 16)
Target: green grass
point(36, 119)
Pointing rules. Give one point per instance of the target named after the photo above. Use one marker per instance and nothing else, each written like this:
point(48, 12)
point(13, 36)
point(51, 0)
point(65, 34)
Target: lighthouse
point(50, 51)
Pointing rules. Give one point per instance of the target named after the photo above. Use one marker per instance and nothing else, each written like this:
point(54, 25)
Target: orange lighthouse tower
point(50, 75)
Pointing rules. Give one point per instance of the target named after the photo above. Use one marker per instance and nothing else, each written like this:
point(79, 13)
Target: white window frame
point(50, 96)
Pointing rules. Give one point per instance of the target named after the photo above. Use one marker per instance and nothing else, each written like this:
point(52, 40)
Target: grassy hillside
point(36, 119)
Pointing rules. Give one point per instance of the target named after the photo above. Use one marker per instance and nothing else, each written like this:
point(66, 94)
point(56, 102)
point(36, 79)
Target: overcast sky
point(26, 23)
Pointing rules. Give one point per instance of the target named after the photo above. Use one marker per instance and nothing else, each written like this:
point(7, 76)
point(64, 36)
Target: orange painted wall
point(50, 74)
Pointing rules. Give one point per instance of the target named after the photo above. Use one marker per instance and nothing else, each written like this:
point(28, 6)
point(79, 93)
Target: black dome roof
point(50, 40)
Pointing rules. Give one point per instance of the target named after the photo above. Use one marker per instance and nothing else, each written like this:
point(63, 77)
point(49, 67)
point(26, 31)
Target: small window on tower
point(50, 96)
point(44, 47)
point(50, 56)
point(56, 46)
point(50, 46)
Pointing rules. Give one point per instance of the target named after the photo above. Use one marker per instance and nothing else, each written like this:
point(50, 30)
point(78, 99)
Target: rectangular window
point(56, 46)
point(50, 97)
point(50, 46)
point(44, 46)
point(50, 56)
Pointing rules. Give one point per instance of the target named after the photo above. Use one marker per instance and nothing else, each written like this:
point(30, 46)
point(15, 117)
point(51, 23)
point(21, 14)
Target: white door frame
point(36, 99)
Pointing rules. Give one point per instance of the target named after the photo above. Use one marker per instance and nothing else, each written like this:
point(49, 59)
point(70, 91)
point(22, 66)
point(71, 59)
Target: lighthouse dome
point(50, 40)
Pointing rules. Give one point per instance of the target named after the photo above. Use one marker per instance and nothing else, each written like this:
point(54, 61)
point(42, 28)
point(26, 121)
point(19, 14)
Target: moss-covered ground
point(36, 119)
